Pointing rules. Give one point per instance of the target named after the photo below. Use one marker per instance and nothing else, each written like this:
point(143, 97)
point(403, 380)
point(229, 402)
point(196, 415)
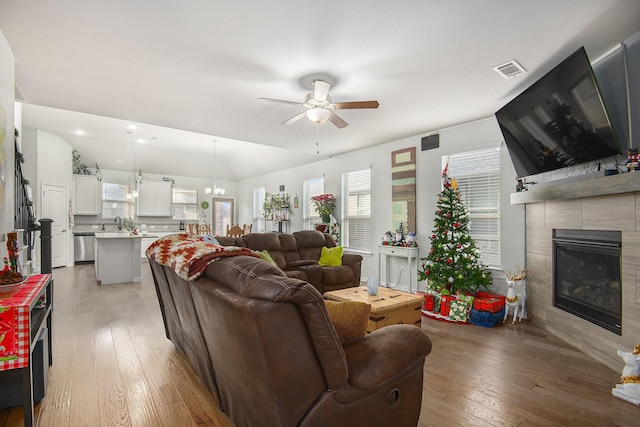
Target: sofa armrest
point(355, 262)
point(314, 276)
point(381, 356)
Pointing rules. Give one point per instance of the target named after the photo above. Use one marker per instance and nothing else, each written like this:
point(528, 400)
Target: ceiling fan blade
point(356, 104)
point(336, 120)
point(280, 101)
point(293, 119)
point(320, 90)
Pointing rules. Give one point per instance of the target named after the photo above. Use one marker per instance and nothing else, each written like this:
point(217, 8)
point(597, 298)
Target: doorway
point(54, 206)
point(222, 214)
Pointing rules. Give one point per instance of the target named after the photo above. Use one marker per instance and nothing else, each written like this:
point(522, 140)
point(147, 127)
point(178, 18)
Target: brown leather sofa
point(264, 343)
point(297, 255)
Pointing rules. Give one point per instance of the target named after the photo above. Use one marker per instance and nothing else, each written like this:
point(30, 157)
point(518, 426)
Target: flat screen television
point(559, 121)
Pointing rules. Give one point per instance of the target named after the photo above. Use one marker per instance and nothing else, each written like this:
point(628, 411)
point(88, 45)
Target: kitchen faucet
point(119, 221)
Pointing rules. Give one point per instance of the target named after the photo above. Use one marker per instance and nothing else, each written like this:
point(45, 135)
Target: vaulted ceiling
point(190, 72)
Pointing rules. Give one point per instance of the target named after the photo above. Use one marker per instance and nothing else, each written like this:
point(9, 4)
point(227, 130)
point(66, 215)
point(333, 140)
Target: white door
point(54, 206)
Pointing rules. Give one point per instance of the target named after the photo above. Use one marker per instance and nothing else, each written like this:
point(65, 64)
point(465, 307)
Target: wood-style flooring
point(113, 366)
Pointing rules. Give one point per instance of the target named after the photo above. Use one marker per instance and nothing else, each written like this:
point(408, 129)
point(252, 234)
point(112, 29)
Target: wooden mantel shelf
point(590, 187)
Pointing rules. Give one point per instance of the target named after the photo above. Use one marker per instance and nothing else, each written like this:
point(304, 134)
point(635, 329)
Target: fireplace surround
point(609, 203)
point(587, 275)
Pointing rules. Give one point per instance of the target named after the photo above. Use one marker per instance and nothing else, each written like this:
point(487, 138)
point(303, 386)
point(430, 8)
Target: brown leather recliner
point(276, 357)
point(297, 255)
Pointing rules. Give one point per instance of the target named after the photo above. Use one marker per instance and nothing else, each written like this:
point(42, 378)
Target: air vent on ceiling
point(510, 69)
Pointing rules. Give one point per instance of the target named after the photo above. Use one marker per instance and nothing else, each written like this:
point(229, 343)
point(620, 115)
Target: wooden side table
point(389, 307)
point(25, 313)
point(410, 253)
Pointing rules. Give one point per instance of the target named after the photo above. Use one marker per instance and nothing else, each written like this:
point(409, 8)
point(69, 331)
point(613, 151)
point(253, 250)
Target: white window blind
point(185, 203)
point(311, 187)
point(478, 177)
point(356, 210)
point(114, 201)
point(258, 210)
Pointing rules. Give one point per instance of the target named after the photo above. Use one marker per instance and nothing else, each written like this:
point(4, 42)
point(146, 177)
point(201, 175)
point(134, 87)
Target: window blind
point(185, 203)
point(478, 177)
point(356, 210)
point(311, 187)
point(258, 210)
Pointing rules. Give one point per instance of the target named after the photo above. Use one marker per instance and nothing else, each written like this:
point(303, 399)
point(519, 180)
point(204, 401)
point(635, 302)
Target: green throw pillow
point(265, 255)
point(330, 257)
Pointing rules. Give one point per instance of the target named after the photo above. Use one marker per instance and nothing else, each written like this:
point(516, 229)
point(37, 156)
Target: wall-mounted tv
point(559, 121)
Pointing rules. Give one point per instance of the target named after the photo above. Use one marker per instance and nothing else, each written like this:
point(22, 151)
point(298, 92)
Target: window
point(115, 202)
point(258, 210)
point(356, 210)
point(311, 187)
point(185, 204)
point(478, 176)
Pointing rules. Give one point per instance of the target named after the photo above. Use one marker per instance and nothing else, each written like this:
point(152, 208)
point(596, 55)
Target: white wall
point(7, 168)
point(53, 167)
point(466, 137)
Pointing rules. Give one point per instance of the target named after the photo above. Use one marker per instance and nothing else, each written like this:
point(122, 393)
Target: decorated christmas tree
point(453, 262)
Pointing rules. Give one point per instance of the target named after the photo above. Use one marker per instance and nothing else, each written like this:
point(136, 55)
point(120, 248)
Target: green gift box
point(459, 311)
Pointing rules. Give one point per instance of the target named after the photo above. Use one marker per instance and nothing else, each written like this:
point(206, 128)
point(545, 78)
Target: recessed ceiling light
point(133, 126)
point(141, 141)
point(79, 132)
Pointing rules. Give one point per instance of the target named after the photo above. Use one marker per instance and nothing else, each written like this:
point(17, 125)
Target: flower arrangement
point(324, 204)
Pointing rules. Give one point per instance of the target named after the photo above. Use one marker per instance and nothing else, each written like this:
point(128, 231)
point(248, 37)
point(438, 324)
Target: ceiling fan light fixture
point(318, 115)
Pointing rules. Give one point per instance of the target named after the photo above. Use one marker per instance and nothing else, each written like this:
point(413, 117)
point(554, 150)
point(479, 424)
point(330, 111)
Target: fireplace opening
point(587, 280)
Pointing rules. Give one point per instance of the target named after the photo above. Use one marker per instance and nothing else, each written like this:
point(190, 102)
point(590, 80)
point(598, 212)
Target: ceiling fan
point(319, 106)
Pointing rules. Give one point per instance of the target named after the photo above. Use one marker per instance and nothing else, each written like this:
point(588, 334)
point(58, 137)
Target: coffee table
point(389, 307)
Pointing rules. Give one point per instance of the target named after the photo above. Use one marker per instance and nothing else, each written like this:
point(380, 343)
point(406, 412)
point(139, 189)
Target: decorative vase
point(372, 285)
point(326, 218)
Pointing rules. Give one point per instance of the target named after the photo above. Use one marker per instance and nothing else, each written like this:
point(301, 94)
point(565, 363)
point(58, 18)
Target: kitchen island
point(118, 257)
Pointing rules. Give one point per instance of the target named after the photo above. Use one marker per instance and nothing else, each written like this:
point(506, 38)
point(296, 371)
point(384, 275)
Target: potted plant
point(324, 204)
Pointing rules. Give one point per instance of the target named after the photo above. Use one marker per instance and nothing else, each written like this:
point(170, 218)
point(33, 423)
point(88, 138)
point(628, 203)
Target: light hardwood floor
point(113, 366)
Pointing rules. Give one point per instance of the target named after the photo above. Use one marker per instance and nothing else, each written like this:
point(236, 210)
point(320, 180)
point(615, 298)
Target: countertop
point(117, 235)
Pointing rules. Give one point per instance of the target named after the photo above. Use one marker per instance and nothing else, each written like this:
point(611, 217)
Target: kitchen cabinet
point(154, 198)
point(87, 195)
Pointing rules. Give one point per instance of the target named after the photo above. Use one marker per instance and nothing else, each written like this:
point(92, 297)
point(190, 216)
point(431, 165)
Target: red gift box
point(445, 304)
point(429, 300)
point(487, 294)
point(492, 305)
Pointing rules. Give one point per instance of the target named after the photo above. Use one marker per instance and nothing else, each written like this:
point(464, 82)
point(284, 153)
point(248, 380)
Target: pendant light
point(217, 191)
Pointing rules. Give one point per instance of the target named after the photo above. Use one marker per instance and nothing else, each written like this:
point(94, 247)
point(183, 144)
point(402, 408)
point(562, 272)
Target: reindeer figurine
point(516, 294)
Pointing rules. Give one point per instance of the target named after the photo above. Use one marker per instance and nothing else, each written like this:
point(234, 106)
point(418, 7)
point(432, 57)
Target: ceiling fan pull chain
point(317, 138)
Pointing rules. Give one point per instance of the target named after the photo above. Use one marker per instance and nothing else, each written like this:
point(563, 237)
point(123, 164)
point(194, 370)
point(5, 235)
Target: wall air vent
point(510, 69)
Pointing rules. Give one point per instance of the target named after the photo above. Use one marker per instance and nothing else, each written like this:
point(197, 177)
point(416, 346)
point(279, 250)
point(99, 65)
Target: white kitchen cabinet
point(87, 197)
point(154, 198)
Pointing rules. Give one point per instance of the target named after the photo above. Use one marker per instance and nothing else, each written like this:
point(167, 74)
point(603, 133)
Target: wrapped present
point(488, 294)
point(468, 298)
point(429, 303)
point(459, 310)
point(492, 305)
point(485, 318)
point(445, 304)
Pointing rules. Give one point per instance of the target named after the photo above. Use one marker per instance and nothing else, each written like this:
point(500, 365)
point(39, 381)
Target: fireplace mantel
point(589, 187)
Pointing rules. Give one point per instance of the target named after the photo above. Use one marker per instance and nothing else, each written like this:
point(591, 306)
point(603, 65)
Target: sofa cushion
point(268, 241)
point(330, 257)
point(337, 275)
point(310, 243)
point(349, 318)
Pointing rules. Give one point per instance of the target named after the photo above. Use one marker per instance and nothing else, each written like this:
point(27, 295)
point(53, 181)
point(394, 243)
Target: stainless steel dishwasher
point(84, 248)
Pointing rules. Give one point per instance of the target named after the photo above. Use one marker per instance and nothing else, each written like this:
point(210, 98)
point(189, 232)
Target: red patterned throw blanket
point(189, 256)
